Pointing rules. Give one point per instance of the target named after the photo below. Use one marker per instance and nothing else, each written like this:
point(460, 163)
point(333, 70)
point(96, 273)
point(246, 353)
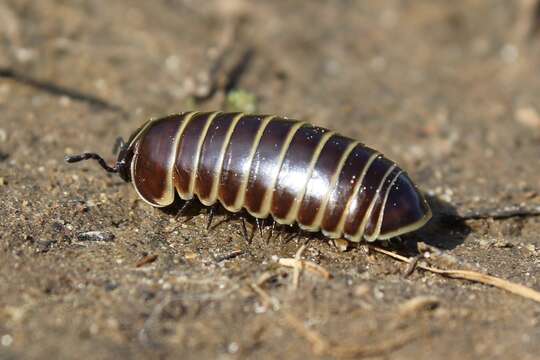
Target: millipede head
point(121, 166)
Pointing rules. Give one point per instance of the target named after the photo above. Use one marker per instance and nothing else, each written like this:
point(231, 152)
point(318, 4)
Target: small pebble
point(341, 244)
point(94, 329)
point(378, 293)
point(484, 243)
point(528, 116)
point(509, 53)
point(233, 348)
point(96, 236)
point(503, 244)
point(25, 55)
point(6, 340)
point(362, 290)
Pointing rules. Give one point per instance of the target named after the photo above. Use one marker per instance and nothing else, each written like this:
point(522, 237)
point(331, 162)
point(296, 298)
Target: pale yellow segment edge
point(356, 237)
point(316, 225)
point(267, 200)
point(409, 228)
point(341, 224)
point(241, 195)
point(217, 172)
point(377, 229)
point(193, 175)
point(187, 120)
point(293, 211)
point(338, 232)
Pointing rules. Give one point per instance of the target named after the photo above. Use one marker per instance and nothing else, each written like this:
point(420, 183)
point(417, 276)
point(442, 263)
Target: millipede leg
point(397, 241)
point(280, 233)
point(210, 217)
point(244, 231)
point(119, 144)
point(260, 224)
point(291, 237)
point(271, 232)
point(185, 205)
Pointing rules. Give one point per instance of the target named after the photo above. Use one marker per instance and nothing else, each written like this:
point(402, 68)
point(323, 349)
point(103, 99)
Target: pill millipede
point(270, 166)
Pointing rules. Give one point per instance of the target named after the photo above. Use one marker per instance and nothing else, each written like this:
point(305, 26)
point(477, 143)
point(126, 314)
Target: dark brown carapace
point(271, 166)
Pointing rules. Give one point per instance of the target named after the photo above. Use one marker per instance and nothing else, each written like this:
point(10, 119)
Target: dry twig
point(298, 269)
point(229, 256)
point(307, 265)
point(266, 276)
point(267, 300)
point(148, 259)
point(474, 276)
point(299, 265)
point(323, 346)
point(319, 343)
point(396, 341)
point(145, 333)
point(418, 304)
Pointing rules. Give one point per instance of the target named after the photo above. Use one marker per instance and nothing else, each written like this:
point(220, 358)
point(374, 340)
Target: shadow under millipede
point(446, 230)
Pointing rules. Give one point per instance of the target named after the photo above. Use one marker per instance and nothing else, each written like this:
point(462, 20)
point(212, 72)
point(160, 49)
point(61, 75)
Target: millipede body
point(271, 166)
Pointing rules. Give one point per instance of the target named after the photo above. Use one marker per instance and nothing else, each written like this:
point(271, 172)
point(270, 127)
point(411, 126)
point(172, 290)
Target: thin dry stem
point(298, 269)
point(319, 343)
point(267, 300)
point(323, 346)
point(299, 265)
point(307, 265)
point(418, 304)
point(514, 288)
point(398, 340)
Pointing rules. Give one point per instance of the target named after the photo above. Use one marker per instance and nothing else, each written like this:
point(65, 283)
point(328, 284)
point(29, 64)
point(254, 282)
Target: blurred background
point(448, 89)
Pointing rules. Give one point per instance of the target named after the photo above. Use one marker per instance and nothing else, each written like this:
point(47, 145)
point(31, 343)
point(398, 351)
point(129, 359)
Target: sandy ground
point(447, 89)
